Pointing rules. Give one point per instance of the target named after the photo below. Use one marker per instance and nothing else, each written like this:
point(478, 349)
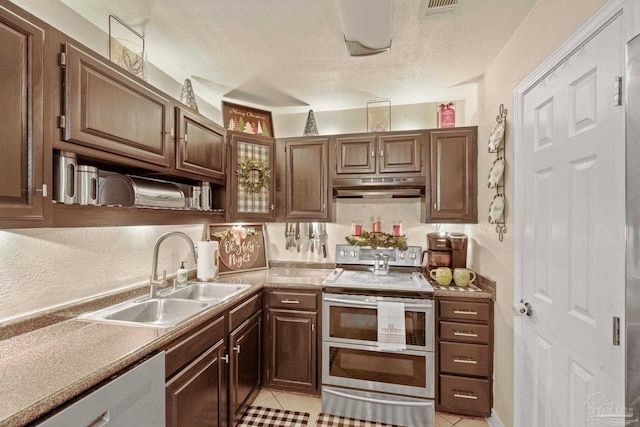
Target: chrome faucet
point(153, 280)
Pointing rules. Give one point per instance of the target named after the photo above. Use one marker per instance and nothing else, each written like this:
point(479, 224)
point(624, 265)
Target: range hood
point(379, 187)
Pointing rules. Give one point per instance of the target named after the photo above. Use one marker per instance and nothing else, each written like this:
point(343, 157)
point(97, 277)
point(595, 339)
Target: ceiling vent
point(437, 8)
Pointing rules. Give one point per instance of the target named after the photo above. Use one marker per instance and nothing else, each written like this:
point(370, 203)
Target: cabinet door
point(400, 153)
point(306, 178)
point(196, 396)
point(108, 110)
point(292, 349)
point(21, 109)
point(245, 349)
point(200, 145)
point(453, 169)
point(252, 161)
point(356, 154)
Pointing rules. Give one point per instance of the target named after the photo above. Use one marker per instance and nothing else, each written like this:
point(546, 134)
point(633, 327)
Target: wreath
point(253, 175)
point(378, 240)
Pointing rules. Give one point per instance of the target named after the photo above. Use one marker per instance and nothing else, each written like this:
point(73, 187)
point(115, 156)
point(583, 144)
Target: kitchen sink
point(170, 309)
point(154, 312)
point(158, 311)
point(217, 292)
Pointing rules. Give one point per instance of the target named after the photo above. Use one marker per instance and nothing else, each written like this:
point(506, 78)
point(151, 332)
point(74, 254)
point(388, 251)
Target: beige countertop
point(50, 358)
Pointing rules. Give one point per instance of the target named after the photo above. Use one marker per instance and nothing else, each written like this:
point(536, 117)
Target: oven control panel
point(359, 255)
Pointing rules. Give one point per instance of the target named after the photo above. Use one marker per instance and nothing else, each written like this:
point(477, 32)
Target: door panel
point(571, 187)
point(195, 396)
point(244, 204)
point(400, 153)
point(245, 348)
point(200, 145)
point(307, 179)
point(453, 176)
point(293, 348)
point(21, 109)
point(356, 155)
point(111, 112)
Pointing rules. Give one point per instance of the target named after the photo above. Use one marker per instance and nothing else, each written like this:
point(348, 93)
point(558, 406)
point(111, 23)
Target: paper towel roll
point(207, 260)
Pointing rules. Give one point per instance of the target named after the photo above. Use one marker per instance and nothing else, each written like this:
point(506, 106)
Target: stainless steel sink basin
point(210, 292)
point(168, 310)
point(155, 312)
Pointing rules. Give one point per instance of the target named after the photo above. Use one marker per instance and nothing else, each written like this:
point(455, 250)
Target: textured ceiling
point(290, 55)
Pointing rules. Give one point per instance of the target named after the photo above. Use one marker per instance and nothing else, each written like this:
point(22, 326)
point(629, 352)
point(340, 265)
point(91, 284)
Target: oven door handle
point(373, 304)
point(378, 401)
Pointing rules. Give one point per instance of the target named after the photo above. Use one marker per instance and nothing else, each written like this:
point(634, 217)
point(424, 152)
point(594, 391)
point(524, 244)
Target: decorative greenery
point(378, 240)
point(253, 175)
point(236, 233)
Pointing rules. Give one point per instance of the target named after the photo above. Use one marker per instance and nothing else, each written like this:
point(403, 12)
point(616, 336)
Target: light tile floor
point(313, 405)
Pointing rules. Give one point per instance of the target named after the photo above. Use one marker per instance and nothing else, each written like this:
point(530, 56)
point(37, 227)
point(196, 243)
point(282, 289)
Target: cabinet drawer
point(466, 359)
point(244, 310)
point(468, 332)
point(183, 352)
point(470, 396)
point(293, 300)
point(465, 310)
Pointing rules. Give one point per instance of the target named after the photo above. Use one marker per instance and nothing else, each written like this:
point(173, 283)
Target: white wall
point(42, 268)
point(403, 117)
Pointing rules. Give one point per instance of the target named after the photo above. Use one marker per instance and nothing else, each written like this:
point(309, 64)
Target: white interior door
point(570, 249)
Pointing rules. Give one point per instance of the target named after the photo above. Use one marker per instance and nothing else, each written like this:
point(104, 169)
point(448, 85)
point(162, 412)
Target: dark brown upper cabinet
point(356, 154)
point(397, 152)
point(199, 146)
point(252, 161)
point(113, 112)
point(23, 161)
point(452, 159)
point(306, 179)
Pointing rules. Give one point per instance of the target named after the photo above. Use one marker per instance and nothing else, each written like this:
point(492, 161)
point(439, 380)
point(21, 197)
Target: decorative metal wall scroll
point(497, 145)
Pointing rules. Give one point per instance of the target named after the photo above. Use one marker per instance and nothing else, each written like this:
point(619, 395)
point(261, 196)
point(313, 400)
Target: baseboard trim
point(494, 420)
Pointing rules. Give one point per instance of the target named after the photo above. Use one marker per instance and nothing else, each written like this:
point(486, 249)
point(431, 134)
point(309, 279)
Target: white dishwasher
point(135, 398)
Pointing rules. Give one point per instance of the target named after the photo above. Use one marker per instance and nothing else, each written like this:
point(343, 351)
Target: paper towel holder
point(207, 271)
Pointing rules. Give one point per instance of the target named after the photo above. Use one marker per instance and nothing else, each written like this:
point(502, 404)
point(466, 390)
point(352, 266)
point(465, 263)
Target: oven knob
point(401, 255)
point(342, 252)
point(412, 255)
point(352, 254)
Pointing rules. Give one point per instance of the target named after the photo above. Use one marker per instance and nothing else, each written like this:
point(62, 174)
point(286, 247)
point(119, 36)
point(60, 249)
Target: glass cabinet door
point(252, 178)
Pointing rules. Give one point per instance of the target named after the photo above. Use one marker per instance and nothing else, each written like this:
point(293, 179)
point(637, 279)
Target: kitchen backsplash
point(46, 268)
point(349, 210)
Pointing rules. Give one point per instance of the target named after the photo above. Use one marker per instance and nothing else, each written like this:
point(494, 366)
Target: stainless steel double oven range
point(359, 379)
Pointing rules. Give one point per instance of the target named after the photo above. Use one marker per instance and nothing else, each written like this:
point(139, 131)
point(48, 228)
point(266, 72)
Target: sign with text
point(241, 118)
point(241, 248)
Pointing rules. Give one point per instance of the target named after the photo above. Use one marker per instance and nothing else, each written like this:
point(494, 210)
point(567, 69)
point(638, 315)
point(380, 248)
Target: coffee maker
point(446, 250)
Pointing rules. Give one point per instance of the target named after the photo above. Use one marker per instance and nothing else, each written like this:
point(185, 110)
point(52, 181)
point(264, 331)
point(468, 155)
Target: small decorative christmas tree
point(187, 97)
point(311, 128)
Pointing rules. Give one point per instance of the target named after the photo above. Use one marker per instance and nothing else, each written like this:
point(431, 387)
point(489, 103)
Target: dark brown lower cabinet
point(194, 395)
point(196, 372)
point(464, 336)
point(291, 336)
point(245, 365)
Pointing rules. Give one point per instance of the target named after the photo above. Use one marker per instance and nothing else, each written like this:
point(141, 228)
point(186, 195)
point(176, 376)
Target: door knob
point(522, 308)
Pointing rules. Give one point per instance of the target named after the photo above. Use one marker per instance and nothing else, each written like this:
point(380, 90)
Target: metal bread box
point(135, 191)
